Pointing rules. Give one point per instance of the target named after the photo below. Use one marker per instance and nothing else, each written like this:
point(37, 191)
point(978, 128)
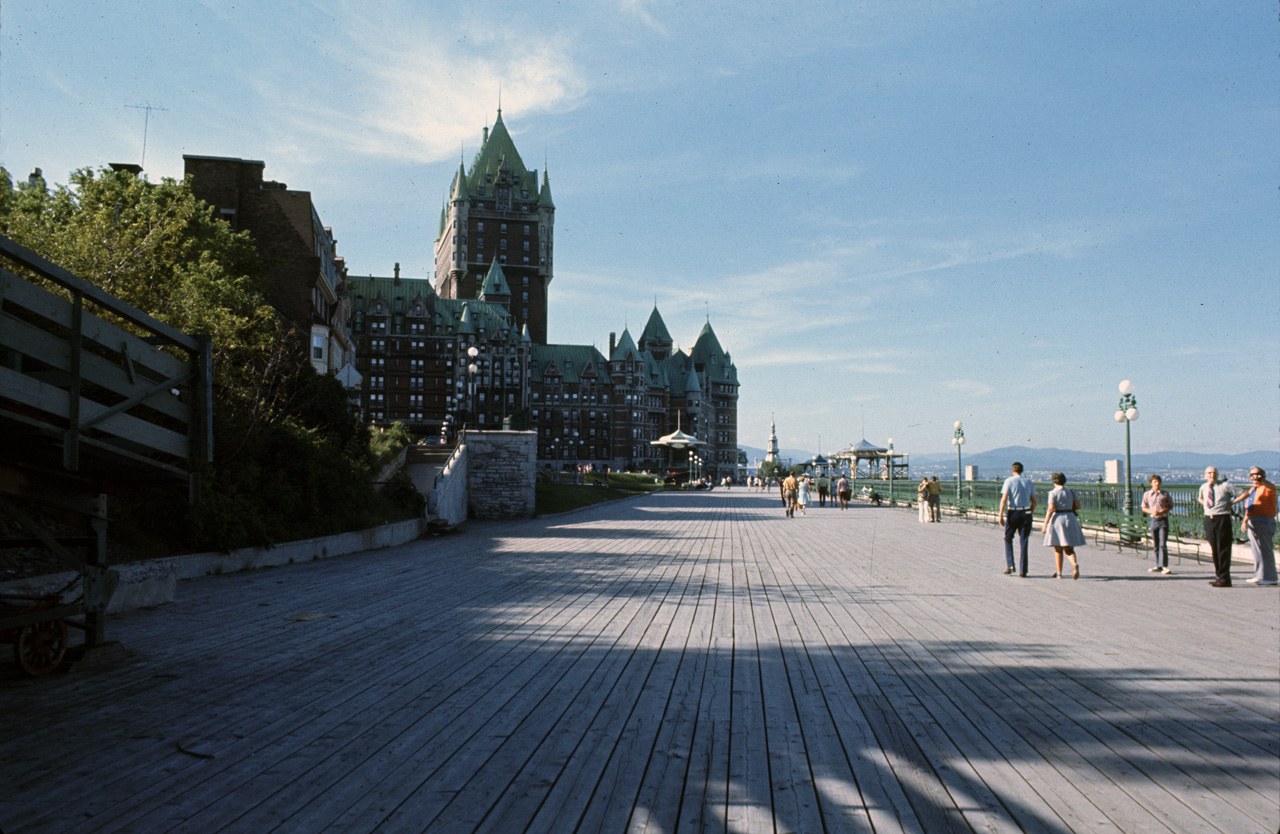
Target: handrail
point(21, 254)
point(1101, 502)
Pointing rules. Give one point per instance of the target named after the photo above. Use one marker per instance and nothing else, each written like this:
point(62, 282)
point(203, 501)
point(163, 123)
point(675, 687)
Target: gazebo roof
point(864, 446)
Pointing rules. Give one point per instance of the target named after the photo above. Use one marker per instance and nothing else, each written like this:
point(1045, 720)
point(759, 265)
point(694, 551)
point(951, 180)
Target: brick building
point(498, 212)
point(307, 281)
point(414, 354)
point(493, 259)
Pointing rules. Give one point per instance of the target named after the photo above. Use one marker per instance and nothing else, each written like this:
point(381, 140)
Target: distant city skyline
point(905, 214)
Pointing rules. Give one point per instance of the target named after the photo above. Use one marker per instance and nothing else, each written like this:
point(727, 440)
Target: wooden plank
point(606, 656)
point(51, 350)
point(57, 310)
point(31, 260)
point(56, 402)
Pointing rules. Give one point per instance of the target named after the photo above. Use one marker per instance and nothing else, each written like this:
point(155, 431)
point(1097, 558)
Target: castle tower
point(498, 213)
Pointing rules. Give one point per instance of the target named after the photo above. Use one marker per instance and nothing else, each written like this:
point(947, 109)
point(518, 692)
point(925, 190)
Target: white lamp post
point(957, 440)
point(890, 459)
point(1126, 413)
point(472, 367)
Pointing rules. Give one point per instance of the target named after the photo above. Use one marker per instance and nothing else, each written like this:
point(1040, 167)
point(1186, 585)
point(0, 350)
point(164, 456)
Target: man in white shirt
point(1017, 508)
point(1216, 500)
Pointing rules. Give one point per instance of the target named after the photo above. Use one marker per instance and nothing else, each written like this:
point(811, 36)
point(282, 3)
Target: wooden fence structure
point(93, 393)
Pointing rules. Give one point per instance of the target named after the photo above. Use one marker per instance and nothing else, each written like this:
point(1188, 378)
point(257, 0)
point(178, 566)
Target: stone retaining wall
point(155, 582)
point(501, 467)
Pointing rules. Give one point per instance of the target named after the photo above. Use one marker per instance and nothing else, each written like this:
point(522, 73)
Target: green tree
point(290, 460)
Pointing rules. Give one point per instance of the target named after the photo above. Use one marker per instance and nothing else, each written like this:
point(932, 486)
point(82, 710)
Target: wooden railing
point(99, 374)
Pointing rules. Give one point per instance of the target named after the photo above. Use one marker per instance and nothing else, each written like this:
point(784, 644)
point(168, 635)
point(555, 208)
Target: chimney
point(36, 176)
point(486, 136)
point(613, 343)
point(397, 273)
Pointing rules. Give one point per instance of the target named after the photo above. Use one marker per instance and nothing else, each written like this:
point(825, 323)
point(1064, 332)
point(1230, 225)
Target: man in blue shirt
point(1017, 508)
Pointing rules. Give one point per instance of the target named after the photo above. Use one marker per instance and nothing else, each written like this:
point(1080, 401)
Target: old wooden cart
point(93, 394)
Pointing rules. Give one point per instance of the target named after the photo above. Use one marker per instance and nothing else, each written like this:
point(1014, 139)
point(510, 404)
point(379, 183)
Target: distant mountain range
point(994, 463)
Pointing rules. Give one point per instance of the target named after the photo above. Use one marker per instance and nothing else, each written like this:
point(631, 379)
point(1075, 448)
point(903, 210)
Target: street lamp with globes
point(1126, 413)
point(472, 366)
point(957, 440)
point(890, 459)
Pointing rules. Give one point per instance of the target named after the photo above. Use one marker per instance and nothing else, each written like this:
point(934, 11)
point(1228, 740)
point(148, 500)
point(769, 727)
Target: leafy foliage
point(290, 459)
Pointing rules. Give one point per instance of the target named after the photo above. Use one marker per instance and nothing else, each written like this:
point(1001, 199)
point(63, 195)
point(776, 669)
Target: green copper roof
point(714, 362)
point(464, 323)
point(544, 194)
point(692, 383)
point(497, 151)
point(655, 330)
point(443, 316)
point(495, 283)
point(570, 361)
point(625, 345)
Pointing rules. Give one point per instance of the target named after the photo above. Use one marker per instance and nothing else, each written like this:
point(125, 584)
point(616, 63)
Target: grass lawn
point(551, 498)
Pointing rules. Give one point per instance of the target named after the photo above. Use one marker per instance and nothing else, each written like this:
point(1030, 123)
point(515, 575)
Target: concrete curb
point(155, 582)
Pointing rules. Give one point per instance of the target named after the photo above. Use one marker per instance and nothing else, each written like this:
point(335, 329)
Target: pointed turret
point(465, 324)
point(544, 193)
point(495, 289)
point(655, 338)
point(626, 347)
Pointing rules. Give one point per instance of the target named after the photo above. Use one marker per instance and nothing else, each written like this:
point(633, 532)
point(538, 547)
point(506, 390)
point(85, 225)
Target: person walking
point(1216, 499)
point(843, 492)
point(1061, 527)
point(935, 500)
point(922, 492)
point(1158, 503)
point(789, 487)
point(802, 495)
point(1017, 508)
point(824, 487)
point(1259, 525)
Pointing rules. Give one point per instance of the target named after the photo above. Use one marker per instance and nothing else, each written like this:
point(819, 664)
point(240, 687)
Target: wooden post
point(71, 440)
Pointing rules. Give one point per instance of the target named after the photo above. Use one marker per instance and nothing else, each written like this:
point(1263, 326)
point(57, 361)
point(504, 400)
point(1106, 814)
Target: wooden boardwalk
point(677, 663)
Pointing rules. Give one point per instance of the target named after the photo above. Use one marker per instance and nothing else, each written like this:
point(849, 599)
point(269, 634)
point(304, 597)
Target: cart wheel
point(40, 647)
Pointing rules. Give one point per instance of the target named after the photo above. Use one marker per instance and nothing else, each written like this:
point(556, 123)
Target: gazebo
point(867, 460)
point(679, 440)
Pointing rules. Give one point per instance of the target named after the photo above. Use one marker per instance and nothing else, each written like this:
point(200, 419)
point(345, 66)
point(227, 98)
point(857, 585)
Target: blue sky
point(897, 214)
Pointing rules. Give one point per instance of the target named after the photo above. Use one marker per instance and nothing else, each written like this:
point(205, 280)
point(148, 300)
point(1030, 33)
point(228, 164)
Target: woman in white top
point(922, 492)
point(802, 495)
point(1061, 527)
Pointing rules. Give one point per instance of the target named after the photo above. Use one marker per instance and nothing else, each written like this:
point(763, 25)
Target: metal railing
point(1099, 503)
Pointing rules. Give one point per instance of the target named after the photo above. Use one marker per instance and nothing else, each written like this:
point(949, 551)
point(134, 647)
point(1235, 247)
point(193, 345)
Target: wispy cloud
point(641, 10)
point(416, 92)
point(968, 387)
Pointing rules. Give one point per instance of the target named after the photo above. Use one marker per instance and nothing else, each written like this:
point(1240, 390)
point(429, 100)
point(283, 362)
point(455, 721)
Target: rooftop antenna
point(146, 123)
